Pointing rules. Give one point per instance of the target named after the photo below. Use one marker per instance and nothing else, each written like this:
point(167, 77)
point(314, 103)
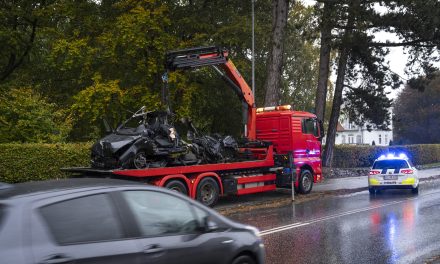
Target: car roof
point(31, 188)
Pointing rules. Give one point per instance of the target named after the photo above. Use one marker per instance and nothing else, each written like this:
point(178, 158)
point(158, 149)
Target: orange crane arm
point(214, 56)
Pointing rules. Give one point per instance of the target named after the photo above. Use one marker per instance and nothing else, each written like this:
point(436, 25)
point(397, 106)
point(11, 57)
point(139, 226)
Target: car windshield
point(395, 164)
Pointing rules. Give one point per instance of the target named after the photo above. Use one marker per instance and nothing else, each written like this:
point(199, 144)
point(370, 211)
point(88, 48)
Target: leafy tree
point(301, 58)
point(416, 117)
point(26, 116)
point(360, 56)
point(94, 59)
point(19, 21)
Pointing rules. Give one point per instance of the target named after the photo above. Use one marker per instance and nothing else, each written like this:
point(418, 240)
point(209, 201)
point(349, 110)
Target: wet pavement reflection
point(392, 227)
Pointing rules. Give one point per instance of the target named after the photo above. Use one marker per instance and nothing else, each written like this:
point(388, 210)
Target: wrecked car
point(149, 140)
point(145, 140)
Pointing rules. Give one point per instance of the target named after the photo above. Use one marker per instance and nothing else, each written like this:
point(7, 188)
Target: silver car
point(112, 221)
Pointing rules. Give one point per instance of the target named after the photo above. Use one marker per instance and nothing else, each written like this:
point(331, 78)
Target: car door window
point(85, 219)
point(160, 214)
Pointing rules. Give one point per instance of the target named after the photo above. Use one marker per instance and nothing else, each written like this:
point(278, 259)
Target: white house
point(349, 133)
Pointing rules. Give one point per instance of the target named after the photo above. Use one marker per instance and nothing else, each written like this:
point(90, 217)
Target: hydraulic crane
point(218, 59)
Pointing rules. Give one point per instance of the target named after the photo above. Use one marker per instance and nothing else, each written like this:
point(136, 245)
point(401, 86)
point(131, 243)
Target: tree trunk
point(336, 107)
point(337, 98)
point(324, 64)
point(280, 10)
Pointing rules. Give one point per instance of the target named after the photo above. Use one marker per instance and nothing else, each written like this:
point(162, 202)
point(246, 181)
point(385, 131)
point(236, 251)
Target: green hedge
point(349, 156)
point(28, 162)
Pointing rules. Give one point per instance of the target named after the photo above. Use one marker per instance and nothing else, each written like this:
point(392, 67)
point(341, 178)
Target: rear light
point(374, 172)
point(407, 171)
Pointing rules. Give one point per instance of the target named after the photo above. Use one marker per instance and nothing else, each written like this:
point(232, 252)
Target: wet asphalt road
point(393, 227)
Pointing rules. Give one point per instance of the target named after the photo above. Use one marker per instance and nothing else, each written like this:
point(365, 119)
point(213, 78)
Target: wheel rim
point(306, 182)
point(140, 161)
point(207, 193)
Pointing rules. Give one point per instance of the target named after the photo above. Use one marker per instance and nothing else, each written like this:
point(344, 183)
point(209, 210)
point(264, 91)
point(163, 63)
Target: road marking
point(325, 218)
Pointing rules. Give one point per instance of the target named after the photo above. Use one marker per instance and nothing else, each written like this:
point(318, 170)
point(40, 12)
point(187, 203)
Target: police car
point(393, 172)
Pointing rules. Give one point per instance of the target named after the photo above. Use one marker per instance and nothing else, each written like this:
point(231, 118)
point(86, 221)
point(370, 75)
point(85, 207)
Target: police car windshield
point(395, 164)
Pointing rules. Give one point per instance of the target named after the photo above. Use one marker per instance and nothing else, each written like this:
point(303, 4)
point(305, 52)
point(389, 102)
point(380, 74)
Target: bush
point(31, 162)
point(349, 156)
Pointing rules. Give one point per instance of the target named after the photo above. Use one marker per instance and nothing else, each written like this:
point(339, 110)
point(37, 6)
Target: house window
point(343, 139)
point(386, 140)
point(352, 126)
point(358, 139)
point(350, 139)
point(380, 139)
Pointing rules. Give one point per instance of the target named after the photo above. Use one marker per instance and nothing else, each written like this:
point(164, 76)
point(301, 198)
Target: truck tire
point(207, 191)
point(176, 185)
point(305, 182)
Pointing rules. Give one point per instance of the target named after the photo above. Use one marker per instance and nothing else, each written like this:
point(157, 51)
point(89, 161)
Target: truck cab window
point(310, 126)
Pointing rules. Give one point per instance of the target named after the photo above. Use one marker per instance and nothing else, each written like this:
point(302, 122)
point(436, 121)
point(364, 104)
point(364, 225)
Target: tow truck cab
point(293, 131)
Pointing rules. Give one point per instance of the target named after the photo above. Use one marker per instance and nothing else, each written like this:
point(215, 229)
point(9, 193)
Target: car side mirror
point(209, 225)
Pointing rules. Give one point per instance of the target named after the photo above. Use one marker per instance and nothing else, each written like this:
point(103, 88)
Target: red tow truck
point(283, 145)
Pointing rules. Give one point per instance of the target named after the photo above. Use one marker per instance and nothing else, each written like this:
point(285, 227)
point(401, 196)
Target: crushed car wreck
point(149, 140)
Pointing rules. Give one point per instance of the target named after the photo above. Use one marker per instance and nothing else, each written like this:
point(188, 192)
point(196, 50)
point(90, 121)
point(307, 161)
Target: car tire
point(305, 182)
point(243, 259)
point(371, 190)
point(140, 160)
point(207, 191)
point(176, 185)
point(415, 190)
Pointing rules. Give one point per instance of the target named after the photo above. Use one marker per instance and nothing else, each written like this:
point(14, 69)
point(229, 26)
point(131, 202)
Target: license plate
point(391, 182)
point(390, 177)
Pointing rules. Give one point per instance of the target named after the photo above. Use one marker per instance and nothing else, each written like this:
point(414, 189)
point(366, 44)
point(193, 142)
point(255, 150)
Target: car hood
point(114, 142)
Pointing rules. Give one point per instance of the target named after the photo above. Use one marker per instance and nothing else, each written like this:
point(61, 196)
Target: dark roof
point(30, 188)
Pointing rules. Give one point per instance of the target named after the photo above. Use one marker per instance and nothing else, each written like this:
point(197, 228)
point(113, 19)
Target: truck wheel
point(207, 192)
point(305, 182)
point(176, 185)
